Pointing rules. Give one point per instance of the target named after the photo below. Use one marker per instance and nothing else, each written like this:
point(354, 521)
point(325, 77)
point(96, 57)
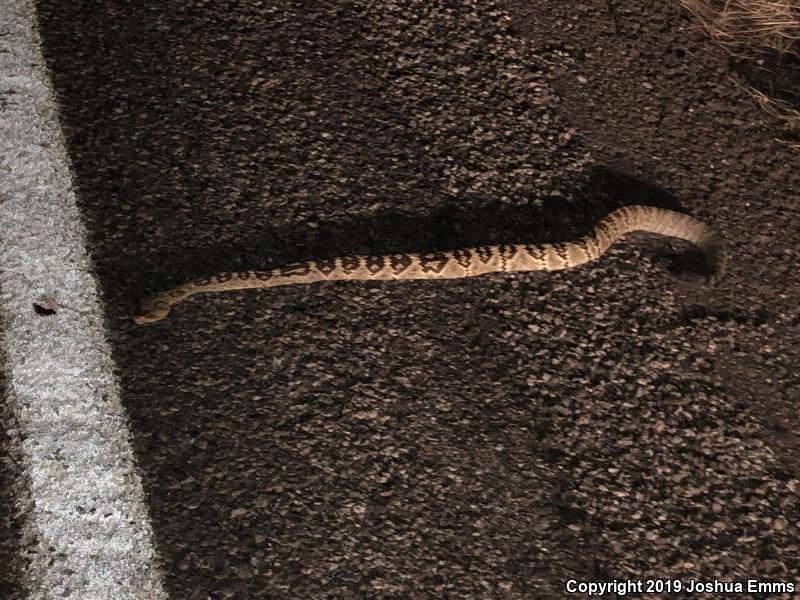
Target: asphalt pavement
point(488, 438)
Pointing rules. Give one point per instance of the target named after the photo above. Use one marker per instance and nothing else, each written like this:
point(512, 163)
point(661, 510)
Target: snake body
point(464, 262)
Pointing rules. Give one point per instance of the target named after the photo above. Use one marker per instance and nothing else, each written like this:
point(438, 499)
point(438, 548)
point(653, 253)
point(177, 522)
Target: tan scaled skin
point(464, 262)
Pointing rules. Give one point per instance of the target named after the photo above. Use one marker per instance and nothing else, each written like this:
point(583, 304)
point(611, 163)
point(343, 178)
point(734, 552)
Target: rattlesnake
point(465, 262)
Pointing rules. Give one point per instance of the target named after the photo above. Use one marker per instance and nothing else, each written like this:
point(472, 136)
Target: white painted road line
point(93, 536)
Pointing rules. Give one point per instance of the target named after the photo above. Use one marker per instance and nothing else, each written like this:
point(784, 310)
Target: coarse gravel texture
point(12, 514)
point(479, 438)
point(73, 500)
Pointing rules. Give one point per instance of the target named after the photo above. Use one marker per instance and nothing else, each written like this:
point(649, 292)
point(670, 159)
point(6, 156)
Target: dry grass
point(780, 109)
point(748, 27)
point(758, 31)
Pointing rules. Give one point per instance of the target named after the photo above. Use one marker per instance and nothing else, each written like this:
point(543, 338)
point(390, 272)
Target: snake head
point(151, 310)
